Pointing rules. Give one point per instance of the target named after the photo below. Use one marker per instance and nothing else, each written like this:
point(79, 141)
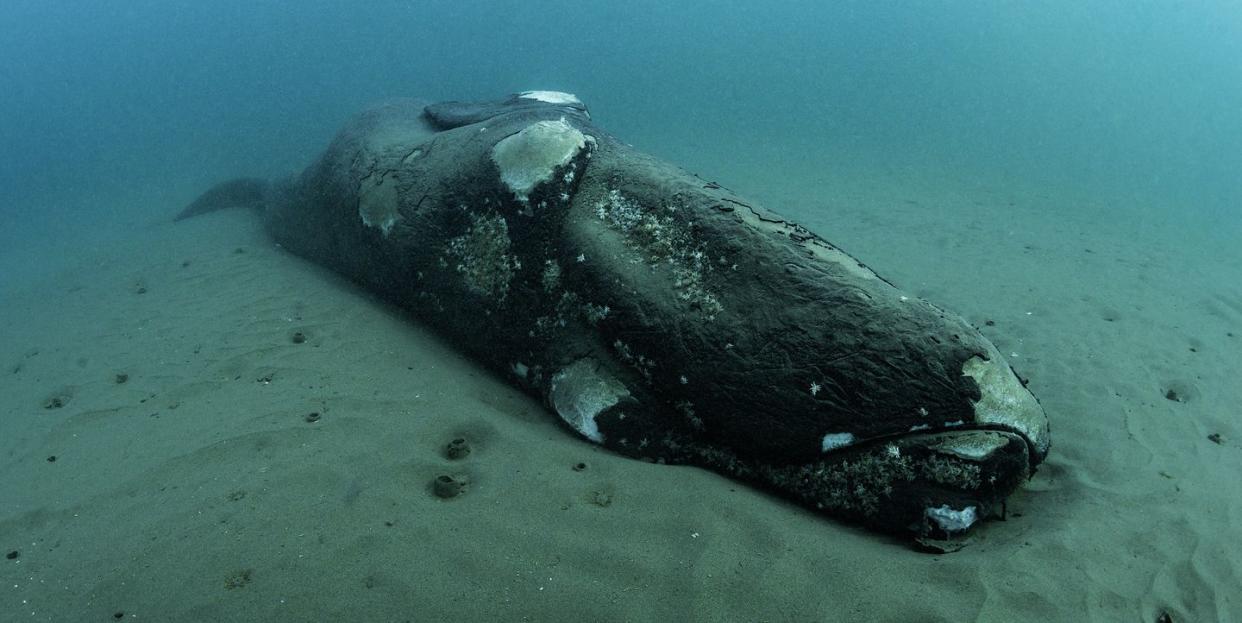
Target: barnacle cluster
point(482, 256)
point(664, 240)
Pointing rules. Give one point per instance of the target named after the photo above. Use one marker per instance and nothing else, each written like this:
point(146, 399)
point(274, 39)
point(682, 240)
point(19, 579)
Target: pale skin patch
point(377, 201)
point(1004, 400)
point(551, 97)
point(530, 157)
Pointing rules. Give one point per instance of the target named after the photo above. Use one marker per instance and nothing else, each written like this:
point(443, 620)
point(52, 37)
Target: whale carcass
point(659, 314)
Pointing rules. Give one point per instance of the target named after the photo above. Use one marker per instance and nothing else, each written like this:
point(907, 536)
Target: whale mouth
point(960, 477)
point(935, 484)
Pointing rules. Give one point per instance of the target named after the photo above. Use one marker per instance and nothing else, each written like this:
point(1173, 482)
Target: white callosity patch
point(377, 201)
point(551, 97)
point(582, 391)
point(832, 441)
point(1004, 400)
point(951, 520)
point(530, 157)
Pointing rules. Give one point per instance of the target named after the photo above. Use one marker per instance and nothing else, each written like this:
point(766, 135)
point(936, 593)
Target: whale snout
point(1005, 403)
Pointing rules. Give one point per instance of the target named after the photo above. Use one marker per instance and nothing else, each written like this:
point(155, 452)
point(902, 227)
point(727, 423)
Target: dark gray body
point(659, 314)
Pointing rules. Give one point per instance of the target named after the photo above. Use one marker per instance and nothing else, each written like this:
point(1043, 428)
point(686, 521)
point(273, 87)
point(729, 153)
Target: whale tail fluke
point(243, 192)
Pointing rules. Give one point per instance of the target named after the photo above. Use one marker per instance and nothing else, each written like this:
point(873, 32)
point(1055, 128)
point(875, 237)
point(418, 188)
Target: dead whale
point(659, 314)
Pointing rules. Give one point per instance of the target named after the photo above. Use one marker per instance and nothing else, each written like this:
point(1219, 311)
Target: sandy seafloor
point(197, 491)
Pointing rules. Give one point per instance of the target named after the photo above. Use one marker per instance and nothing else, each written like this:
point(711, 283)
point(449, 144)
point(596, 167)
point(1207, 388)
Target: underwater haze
point(1066, 175)
point(1135, 103)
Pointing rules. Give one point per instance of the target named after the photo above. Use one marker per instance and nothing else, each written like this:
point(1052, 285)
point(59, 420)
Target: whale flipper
point(243, 192)
point(449, 115)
